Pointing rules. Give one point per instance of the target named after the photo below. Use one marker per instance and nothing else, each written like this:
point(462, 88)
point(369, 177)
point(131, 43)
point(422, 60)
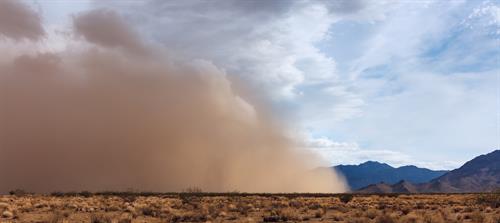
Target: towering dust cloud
point(110, 113)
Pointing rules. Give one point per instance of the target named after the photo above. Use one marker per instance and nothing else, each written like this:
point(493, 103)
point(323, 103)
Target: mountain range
point(481, 174)
point(371, 172)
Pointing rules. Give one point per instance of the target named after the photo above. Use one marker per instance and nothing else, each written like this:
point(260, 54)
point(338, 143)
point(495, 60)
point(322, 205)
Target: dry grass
point(196, 207)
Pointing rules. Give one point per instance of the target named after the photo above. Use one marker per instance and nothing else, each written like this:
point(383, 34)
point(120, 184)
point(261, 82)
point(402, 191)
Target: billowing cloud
point(91, 117)
point(105, 28)
point(270, 45)
point(17, 21)
point(366, 72)
point(406, 77)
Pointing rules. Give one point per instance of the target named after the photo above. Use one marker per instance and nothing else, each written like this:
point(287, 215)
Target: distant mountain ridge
point(401, 187)
point(371, 172)
point(477, 175)
point(481, 174)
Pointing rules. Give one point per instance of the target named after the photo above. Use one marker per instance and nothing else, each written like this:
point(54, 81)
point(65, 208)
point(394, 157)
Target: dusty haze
point(110, 113)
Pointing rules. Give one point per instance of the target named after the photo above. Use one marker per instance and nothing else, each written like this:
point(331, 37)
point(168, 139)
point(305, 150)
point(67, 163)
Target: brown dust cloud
point(110, 111)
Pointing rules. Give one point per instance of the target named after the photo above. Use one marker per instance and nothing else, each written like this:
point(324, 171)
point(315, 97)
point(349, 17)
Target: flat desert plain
point(235, 207)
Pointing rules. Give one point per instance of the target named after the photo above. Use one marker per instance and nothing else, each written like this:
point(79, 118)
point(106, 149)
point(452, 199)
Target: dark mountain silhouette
point(477, 175)
point(379, 188)
point(404, 187)
point(401, 187)
point(362, 175)
point(481, 174)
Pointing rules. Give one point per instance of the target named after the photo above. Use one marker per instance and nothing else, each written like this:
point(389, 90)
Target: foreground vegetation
point(237, 207)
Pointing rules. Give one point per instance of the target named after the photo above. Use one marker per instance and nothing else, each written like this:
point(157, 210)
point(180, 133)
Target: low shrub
point(489, 199)
point(99, 218)
point(18, 192)
point(345, 198)
point(385, 218)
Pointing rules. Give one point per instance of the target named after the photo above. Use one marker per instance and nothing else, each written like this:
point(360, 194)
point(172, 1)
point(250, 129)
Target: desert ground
point(235, 207)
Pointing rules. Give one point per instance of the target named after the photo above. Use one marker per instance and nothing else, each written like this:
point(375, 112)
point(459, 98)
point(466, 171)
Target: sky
point(402, 82)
